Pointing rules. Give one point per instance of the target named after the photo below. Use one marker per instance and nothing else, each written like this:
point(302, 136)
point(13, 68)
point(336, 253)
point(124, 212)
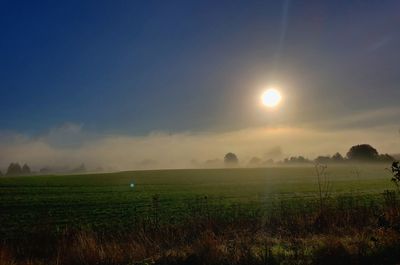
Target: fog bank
point(70, 145)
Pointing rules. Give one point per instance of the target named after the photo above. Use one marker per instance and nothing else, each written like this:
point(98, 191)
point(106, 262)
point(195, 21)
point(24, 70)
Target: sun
point(271, 98)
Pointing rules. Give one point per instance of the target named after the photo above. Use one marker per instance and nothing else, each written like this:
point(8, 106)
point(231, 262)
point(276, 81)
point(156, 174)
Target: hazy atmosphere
point(197, 132)
point(71, 145)
point(152, 84)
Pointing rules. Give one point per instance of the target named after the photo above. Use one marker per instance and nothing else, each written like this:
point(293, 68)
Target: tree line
point(357, 153)
point(15, 169)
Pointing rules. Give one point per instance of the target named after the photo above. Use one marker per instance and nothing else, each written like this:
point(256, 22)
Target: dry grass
point(216, 246)
point(6, 257)
point(337, 235)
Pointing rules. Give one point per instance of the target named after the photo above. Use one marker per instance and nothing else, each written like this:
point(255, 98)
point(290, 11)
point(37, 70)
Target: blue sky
point(136, 67)
point(131, 65)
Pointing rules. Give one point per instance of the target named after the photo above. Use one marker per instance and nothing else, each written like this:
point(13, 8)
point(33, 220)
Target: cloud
point(70, 144)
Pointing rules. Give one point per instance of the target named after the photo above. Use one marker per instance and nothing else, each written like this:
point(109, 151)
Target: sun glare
point(271, 98)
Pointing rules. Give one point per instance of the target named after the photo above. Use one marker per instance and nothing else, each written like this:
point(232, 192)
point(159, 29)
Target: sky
point(132, 84)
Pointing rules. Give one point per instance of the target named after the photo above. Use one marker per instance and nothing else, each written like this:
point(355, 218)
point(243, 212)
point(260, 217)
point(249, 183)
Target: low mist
point(70, 145)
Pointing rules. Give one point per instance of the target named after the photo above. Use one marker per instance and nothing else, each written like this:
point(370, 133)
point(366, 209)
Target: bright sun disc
point(271, 98)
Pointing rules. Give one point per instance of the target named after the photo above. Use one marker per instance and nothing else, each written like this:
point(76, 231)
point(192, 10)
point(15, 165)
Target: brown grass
point(378, 246)
point(338, 235)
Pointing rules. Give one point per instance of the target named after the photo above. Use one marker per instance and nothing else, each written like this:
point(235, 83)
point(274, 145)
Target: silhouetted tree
point(337, 158)
point(362, 152)
point(255, 161)
point(386, 158)
point(296, 159)
point(26, 170)
point(1, 174)
point(80, 169)
point(231, 159)
point(396, 173)
point(322, 159)
point(14, 169)
point(45, 170)
point(301, 159)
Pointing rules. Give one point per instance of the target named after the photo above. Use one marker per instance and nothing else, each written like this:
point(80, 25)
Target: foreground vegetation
point(236, 216)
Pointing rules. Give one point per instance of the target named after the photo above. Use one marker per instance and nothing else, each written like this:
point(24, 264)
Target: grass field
point(106, 201)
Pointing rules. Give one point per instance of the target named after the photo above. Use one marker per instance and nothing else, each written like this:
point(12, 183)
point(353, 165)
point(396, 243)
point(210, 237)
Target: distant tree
point(255, 161)
point(386, 158)
point(14, 169)
point(301, 159)
point(322, 159)
point(45, 170)
point(1, 174)
point(396, 173)
point(231, 159)
point(296, 160)
point(26, 170)
point(80, 169)
point(337, 158)
point(362, 152)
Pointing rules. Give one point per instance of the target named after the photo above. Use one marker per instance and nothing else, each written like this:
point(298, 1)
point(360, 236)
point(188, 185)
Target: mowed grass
point(106, 201)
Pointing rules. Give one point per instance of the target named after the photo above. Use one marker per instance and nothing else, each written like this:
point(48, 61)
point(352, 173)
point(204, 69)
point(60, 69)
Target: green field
point(107, 201)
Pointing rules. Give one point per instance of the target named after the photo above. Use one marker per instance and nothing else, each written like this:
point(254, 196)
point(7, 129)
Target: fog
point(71, 145)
